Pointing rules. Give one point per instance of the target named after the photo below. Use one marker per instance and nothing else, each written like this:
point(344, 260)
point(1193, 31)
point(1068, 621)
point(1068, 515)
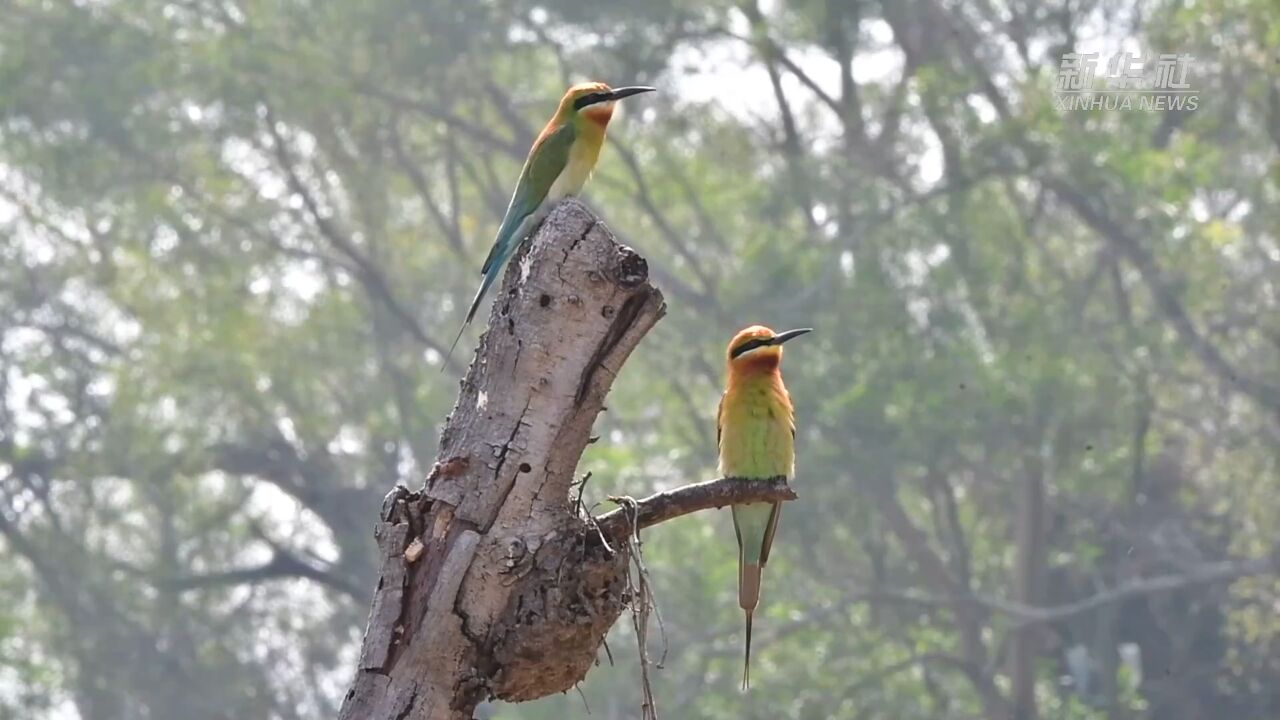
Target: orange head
point(758, 349)
point(594, 100)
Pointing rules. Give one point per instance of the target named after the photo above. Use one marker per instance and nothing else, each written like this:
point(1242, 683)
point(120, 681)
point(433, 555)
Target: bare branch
point(671, 504)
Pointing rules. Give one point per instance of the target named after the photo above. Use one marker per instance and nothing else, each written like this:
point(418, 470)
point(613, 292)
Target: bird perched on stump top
point(756, 434)
point(558, 165)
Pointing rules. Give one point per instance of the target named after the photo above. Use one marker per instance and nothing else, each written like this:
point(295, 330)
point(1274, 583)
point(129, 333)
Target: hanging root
point(643, 604)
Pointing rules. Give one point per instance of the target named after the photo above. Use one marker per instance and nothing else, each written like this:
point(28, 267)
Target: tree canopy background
point(1039, 422)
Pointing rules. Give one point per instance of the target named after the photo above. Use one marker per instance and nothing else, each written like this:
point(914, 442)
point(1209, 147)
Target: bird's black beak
point(789, 335)
point(626, 92)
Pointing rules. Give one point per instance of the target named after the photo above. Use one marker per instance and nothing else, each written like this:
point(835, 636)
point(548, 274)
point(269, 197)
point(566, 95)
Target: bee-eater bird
point(755, 429)
point(558, 165)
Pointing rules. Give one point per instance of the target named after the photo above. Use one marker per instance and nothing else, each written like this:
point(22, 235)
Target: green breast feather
point(756, 434)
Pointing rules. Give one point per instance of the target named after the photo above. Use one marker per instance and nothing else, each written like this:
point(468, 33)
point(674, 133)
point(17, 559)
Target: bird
point(558, 165)
point(755, 435)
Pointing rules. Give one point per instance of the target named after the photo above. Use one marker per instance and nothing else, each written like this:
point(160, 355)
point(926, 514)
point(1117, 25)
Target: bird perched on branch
point(756, 434)
point(559, 163)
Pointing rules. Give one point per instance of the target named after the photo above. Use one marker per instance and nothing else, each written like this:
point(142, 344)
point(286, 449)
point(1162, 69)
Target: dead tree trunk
point(491, 585)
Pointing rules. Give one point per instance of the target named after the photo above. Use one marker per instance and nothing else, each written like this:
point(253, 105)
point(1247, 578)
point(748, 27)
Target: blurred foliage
point(234, 237)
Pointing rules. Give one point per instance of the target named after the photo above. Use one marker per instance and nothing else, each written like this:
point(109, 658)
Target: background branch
point(1224, 571)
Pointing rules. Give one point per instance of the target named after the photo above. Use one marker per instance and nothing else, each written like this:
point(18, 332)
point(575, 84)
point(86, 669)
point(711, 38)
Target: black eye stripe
point(748, 346)
point(590, 99)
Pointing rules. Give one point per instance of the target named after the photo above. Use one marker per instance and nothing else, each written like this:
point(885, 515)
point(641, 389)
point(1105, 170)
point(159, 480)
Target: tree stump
point(490, 585)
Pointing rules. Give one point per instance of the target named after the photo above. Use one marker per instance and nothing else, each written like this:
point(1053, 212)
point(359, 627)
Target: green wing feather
point(719, 421)
point(547, 159)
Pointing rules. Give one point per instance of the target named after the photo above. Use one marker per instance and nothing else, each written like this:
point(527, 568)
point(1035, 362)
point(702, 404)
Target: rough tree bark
point(491, 585)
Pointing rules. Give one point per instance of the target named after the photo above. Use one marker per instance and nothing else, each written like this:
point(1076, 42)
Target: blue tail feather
point(499, 256)
point(488, 260)
point(503, 248)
